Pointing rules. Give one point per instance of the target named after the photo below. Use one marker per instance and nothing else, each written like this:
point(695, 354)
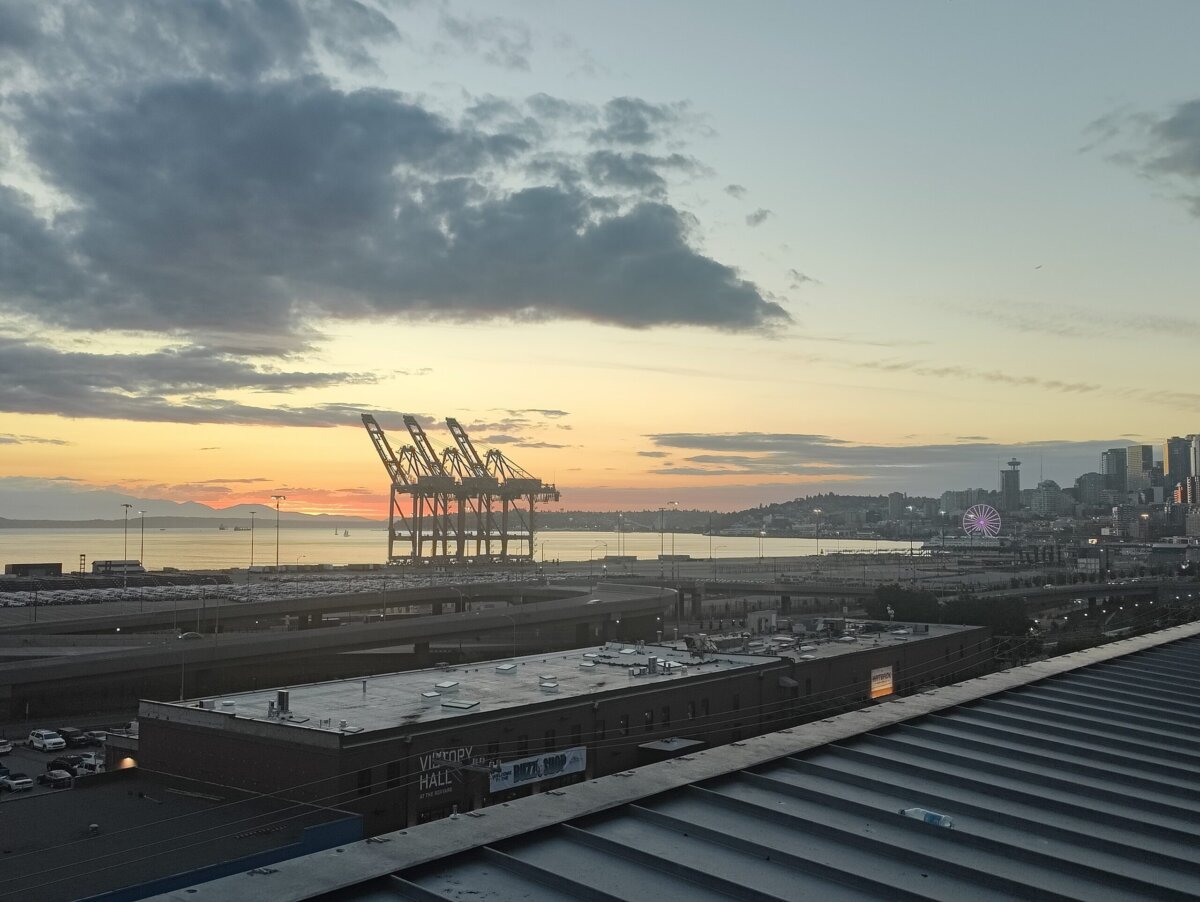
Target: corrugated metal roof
point(1079, 786)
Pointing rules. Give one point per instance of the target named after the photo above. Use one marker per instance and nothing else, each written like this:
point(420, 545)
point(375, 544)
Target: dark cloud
point(636, 171)
point(500, 439)
point(631, 120)
point(924, 467)
point(1163, 147)
point(549, 413)
point(7, 438)
point(797, 279)
point(175, 386)
point(540, 445)
point(758, 217)
point(123, 40)
point(227, 193)
point(502, 42)
point(738, 191)
point(652, 454)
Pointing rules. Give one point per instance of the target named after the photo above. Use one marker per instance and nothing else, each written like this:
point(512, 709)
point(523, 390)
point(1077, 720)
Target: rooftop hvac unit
point(283, 698)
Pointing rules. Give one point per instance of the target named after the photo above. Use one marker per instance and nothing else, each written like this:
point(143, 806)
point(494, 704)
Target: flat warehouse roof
point(420, 696)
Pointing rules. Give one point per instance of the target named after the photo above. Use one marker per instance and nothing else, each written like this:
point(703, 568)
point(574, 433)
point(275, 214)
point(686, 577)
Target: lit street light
point(593, 548)
point(277, 499)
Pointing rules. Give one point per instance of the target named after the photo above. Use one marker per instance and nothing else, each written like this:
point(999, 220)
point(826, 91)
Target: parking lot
point(31, 762)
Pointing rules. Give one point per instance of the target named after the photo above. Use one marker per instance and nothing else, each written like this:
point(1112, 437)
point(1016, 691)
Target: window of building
point(691, 711)
point(364, 782)
point(808, 685)
point(624, 724)
point(648, 720)
point(737, 701)
point(395, 774)
point(704, 707)
point(666, 715)
point(599, 729)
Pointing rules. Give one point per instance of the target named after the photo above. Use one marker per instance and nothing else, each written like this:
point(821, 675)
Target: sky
point(716, 254)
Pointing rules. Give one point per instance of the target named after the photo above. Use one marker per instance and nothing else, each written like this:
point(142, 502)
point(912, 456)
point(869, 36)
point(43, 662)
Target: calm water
point(211, 548)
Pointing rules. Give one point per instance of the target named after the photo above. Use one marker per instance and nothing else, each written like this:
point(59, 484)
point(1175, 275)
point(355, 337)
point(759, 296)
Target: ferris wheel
point(981, 520)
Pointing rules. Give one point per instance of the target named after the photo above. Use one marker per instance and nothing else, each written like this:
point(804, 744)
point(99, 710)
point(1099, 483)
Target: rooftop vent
point(506, 668)
point(283, 702)
point(459, 704)
point(549, 686)
point(446, 686)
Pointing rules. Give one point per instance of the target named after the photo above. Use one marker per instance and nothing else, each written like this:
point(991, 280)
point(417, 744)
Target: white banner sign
point(511, 774)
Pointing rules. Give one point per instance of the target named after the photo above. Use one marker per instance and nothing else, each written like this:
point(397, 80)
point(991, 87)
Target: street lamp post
point(251, 567)
point(593, 548)
point(912, 564)
point(674, 563)
point(662, 542)
point(142, 552)
point(125, 554)
point(761, 533)
point(817, 511)
point(277, 499)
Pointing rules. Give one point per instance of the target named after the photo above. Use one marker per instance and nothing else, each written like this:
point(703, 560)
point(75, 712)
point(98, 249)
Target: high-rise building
point(1139, 460)
point(1177, 461)
point(1113, 465)
point(1010, 486)
point(1195, 454)
point(1089, 487)
point(896, 505)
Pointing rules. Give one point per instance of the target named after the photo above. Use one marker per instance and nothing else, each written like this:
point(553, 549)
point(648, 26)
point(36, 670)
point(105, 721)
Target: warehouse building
point(405, 748)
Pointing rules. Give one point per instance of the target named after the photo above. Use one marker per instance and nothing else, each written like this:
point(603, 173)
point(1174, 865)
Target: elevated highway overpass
point(171, 668)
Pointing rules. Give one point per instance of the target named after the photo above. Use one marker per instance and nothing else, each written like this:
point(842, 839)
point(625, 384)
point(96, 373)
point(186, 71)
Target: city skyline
point(650, 252)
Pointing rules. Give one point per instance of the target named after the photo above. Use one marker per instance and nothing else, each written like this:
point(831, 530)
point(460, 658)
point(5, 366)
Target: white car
point(46, 741)
point(92, 763)
point(16, 782)
point(5, 746)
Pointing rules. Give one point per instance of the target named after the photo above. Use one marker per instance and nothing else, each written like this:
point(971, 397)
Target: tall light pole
point(912, 565)
point(142, 553)
point(761, 533)
point(817, 511)
point(251, 567)
point(277, 499)
point(593, 548)
point(674, 563)
point(125, 562)
point(662, 542)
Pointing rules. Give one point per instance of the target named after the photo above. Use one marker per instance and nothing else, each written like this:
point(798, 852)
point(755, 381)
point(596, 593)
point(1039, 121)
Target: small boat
point(346, 534)
point(241, 529)
point(221, 527)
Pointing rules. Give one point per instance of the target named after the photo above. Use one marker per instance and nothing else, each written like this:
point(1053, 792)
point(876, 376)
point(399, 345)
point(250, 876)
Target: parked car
point(5, 746)
point(73, 737)
point(69, 763)
point(46, 741)
point(96, 737)
point(55, 779)
point(16, 782)
point(92, 763)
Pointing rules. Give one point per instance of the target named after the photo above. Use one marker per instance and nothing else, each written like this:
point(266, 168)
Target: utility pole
point(277, 499)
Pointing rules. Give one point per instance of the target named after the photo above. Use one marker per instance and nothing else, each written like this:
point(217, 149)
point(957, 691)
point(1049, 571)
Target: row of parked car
point(62, 770)
point(65, 737)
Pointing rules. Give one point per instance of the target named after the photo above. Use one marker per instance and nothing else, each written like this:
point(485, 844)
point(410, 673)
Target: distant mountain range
point(43, 503)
